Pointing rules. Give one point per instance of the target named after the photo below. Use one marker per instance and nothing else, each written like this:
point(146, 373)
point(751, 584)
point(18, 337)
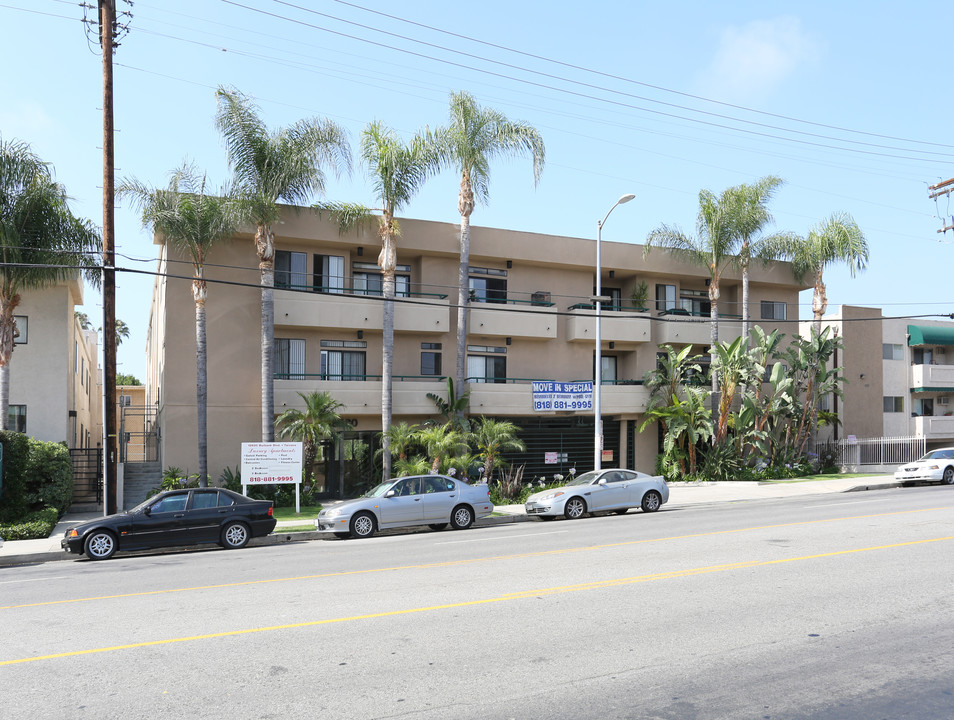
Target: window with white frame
point(893, 404)
point(892, 351)
point(490, 285)
point(347, 363)
point(665, 297)
point(608, 376)
point(368, 280)
point(17, 418)
point(289, 359)
point(431, 359)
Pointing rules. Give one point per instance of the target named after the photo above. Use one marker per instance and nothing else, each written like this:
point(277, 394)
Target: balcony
point(421, 313)
point(676, 328)
point(932, 377)
point(528, 320)
point(621, 326)
point(363, 397)
point(935, 428)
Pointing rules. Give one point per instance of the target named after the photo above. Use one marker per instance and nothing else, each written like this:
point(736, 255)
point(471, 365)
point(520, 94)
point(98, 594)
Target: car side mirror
point(389, 493)
point(602, 481)
point(147, 510)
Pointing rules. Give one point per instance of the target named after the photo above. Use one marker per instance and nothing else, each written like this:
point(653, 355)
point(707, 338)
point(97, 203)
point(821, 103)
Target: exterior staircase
point(138, 479)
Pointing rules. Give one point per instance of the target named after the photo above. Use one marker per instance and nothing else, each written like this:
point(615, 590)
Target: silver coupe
point(432, 500)
point(613, 490)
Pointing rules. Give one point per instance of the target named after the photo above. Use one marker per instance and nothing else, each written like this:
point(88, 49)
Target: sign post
point(272, 463)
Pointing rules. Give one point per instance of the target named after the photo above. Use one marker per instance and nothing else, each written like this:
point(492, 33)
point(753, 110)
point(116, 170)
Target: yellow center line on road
point(456, 563)
point(508, 597)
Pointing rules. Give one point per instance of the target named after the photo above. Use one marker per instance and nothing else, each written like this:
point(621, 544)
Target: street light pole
point(598, 365)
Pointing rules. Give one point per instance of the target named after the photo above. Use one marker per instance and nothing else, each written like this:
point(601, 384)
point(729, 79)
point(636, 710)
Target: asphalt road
point(815, 607)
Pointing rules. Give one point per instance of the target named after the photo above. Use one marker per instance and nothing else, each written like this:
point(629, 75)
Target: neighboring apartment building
point(55, 386)
point(531, 318)
point(900, 377)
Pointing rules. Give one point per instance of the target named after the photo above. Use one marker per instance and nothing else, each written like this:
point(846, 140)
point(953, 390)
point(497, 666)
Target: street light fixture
point(598, 374)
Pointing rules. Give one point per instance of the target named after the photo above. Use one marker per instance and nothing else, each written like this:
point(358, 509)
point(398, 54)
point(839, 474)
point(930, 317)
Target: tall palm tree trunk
point(745, 306)
point(714, 340)
point(201, 380)
point(265, 247)
point(387, 261)
point(466, 206)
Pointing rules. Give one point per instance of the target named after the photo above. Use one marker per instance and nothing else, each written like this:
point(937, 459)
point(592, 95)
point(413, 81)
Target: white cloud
point(754, 59)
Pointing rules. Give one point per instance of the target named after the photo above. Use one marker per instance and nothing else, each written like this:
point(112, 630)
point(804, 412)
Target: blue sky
point(849, 102)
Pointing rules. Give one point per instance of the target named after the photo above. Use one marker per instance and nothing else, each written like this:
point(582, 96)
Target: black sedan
point(174, 517)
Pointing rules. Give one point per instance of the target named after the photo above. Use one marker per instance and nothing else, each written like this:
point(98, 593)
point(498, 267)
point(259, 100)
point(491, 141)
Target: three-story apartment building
point(531, 318)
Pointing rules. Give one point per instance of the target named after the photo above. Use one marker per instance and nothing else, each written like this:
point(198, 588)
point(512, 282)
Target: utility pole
point(935, 191)
point(107, 36)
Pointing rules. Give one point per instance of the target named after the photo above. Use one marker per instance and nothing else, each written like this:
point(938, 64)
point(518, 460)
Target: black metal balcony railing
point(608, 306)
point(351, 290)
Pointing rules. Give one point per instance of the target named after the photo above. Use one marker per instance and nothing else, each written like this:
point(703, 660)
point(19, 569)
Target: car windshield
point(945, 454)
point(379, 490)
point(584, 479)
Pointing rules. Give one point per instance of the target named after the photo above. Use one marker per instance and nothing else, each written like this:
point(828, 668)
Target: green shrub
point(16, 456)
point(49, 475)
point(34, 526)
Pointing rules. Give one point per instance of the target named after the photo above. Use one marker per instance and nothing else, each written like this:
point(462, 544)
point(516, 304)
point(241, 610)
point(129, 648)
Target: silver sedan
point(432, 500)
point(614, 490)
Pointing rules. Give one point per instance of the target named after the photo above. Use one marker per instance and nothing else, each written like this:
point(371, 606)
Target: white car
point(432, 500)
point(935, 466)
point(613, 490)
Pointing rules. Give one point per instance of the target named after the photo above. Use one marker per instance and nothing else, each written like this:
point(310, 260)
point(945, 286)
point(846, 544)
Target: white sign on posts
point(272, 464)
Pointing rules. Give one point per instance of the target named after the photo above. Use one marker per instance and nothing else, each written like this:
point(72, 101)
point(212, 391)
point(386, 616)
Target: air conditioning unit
point(125, 401)
point(939, 351)
point(944, 400)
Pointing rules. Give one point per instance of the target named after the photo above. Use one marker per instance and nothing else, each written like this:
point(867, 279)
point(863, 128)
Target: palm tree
point(194, 221)
point(492, 438)
point(751, 217)
point(835, 240)
point(398, 170)
point(41, 242)
point(452, 409)
point(268, 166)
point(318, 421)
point(475, 136)
point(441, 442)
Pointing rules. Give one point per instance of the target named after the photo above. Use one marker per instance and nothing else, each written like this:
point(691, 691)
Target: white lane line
point(502, 537)
point(852, 502)
point(59, 577)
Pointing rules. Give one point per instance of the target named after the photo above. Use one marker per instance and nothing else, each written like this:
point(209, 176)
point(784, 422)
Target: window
point(171, 503)
point(438, 485)
point(695, 302)
point(205, 499)
point(488, 290)
point(329, 273)
point(343, 364)
point(369, 281)
point(923, 406)
point(923, 356)
point(83, 371)
point(75, 357)
point(20, 327)
point(890, 351)
point(609, 369)
point(430, 360)
point(774, 310)
point(16, 418)
point(482, 369)
point(290, 270)
point(665, 297)
point(893, 404)
point(289, 359)
point(615, 296)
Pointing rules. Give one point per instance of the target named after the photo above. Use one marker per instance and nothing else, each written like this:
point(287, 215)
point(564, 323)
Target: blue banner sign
point(555, 396)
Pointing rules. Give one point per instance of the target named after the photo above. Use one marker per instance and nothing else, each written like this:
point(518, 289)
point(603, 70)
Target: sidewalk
point(21, 552)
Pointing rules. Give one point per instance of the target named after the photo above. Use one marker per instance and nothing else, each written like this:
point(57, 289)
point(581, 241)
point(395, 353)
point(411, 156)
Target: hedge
point(36, 475)
point(36, 525)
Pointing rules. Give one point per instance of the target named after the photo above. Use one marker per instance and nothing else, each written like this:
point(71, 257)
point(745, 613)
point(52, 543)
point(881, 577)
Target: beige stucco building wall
point(539, 341)
point(54, 373)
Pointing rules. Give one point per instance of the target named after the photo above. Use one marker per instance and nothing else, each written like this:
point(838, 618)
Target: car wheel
point(462, 517)
point(362, 525)
point(621, 511)
point(651, 501)
point(100, 545)
point(948, 477)
point(575, 508)
point(235, 535)
point(342, 535)
point(437, 526)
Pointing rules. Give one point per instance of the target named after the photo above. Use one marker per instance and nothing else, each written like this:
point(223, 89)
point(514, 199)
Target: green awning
point(930, 335)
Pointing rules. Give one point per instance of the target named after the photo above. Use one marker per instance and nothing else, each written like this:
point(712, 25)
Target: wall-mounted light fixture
point(612, 346)
point(509, 264)
point(360, 334)
point(508, 341)
point(612, 273)
point(360, 251)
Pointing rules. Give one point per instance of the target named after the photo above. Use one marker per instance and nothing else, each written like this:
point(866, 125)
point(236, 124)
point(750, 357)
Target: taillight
point(269, 511)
